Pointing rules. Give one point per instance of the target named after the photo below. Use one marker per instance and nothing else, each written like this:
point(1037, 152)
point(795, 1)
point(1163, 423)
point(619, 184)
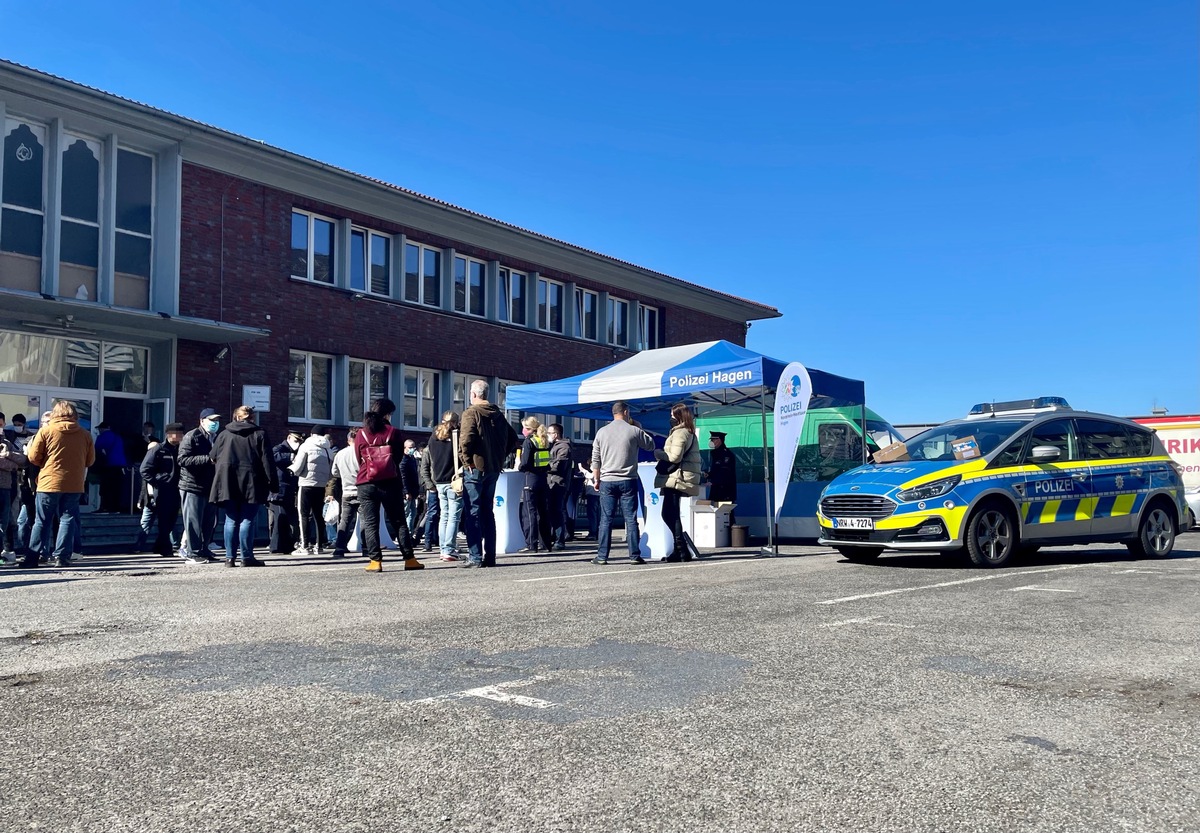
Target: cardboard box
point(891, 454)
point(965, 449)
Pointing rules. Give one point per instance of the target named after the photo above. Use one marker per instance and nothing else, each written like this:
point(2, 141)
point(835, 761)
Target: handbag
point(377, 462)
point(667, 467)
point(331, 512)
point(456, 482)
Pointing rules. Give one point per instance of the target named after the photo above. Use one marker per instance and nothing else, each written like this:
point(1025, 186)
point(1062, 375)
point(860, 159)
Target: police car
point(1010, 478)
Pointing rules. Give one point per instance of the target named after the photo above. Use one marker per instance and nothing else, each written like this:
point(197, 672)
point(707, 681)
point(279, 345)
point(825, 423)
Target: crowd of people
point(317, 496)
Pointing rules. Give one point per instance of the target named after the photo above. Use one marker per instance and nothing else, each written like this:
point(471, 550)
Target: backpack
point(377, 461)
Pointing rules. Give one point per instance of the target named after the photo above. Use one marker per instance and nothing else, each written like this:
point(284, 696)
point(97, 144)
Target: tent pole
point(863, 420)
point(772, 545)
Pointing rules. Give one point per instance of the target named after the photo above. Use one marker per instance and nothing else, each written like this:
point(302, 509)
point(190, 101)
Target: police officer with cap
point(722, 471)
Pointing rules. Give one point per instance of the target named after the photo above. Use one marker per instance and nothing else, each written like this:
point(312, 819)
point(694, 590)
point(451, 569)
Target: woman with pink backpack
point(379, 449)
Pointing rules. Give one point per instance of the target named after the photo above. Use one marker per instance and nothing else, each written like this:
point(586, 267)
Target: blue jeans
point(199, 523)
point(433, 524)
point(612, 492)
point(450, 505)
point(479, 522)
point(240, 522)
point(51, 506)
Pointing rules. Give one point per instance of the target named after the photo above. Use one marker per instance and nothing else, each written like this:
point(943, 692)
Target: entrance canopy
point(717, 374)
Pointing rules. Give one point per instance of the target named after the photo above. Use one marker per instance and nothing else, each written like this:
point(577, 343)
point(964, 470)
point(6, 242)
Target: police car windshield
point(935, 444)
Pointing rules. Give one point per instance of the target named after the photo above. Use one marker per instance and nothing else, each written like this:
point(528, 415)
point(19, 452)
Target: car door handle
point(1080, 476)
point(1136, 472)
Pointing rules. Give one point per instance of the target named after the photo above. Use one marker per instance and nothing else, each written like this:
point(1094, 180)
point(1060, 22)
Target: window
point(468, 285)
point(649, 329)
point(375, 249)
point(124, 369)
point(1102, 440)
point(22, 201)
point(587, 311)
point(421, 397)
point(460, 384)
point(313, 247)
point(79, 244)
point(367, 382)
point(422, 275)
point(582, 430)
point(134, 213)
point(310, 387)
point(618, 322)
point(1056, 433)
point(510, 304)
point(551, 304)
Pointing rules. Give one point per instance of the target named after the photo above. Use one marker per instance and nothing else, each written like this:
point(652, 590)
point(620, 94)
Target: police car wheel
point(991, 536)
point(860, 553)
point(1156, 534)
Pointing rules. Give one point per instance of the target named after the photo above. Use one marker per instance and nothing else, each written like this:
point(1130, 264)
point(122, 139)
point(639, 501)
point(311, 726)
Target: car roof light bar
point(1041, 403)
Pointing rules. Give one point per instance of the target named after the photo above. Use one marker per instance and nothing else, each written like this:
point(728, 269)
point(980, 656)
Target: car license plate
point(853, 523)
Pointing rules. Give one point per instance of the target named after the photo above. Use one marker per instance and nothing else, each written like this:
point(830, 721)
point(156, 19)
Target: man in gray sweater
point(614, 474)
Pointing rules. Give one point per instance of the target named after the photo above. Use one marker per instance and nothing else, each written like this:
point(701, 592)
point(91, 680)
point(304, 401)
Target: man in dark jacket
point(486, 439)
point(160, 470)
point(284, 515)
point(432, 511)
point(558, 482)
point(110, 459)
point(195, 482)
point(245, 476)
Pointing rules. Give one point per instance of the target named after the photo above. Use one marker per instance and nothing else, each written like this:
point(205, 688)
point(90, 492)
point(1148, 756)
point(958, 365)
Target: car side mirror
point(1046, 453)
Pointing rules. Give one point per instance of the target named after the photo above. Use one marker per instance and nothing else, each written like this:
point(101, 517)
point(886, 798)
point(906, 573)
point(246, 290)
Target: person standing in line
point(343, 487)
point(681, 453)
point(432, 515)
point(558, 483)
point(311, 466)
point(12, 463)
point(283, 517)
point(410, 478)
point(244, 476)
point(486, 440)
point(21, 509)
point(160, 470)
point(64, 452)
point(443, 465)
point(535, 463)
point(196, 471)
point(614, 475)
point(379, 448)
point(110, 454)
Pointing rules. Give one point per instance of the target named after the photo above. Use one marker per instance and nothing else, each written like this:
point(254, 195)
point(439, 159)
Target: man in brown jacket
point(64, 451)
point(486, 440)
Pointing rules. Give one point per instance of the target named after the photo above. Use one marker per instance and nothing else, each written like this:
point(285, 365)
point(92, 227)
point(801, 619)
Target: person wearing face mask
point(196, 472)
point(284, 514)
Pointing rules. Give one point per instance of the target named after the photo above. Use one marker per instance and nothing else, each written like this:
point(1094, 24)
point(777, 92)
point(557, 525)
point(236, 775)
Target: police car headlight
point(927, 490)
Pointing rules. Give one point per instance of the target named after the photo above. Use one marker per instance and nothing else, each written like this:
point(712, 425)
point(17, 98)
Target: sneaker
point(194, 559)
point(469, 564)
point(312, 550)
point(62, 563)
point(450, 557)
point(8, 556)
point(637, 559)
point(599, 560)
point(252, 562)
point(300, 551)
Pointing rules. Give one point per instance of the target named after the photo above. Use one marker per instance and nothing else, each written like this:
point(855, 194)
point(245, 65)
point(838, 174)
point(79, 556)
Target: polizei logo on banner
point(791, 406)
point(712, 377)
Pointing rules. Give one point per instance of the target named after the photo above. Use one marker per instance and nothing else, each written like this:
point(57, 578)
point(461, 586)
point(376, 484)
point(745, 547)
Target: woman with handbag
point(678, 473)
point(378, 447)
point(444, 471)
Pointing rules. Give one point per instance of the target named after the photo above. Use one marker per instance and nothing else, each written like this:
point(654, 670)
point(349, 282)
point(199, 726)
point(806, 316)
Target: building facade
point(152, 266)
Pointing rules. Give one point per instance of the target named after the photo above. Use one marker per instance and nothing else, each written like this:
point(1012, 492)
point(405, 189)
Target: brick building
point(151, 266)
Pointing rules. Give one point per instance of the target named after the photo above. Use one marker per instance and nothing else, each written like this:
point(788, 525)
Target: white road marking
point(638, 569)
point(848, 622)
point(1147, 572)
point(1043, 589)
point(990, 577)
point(495, 693)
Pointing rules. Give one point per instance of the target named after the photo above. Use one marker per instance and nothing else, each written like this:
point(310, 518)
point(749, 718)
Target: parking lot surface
point(798, 693)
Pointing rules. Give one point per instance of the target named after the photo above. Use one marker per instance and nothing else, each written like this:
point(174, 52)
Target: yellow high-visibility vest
point(541, 454)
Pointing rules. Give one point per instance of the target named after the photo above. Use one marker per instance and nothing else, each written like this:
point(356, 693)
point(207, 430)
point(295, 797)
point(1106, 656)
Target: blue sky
point(955, 202)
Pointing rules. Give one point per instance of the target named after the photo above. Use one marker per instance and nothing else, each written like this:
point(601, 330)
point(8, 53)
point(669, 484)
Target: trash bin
point(738, 535)
point(710, 523)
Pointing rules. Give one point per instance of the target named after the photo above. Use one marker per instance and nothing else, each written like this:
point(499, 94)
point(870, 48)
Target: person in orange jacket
point(63, 451)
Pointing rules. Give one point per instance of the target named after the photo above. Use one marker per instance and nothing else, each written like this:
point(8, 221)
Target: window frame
point(580, 330)
point(549, 283)
point(308, 375)
point(644, 312)
point(420, 399)
point(368, 396)
point(42, 131)
point(310, 259)
point(510, 303)
point(610, 334)
point(467, 262)
point(422, 250)
point(117, 229)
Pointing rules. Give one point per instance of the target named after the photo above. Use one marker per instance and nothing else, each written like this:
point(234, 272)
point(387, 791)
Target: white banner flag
point(791, 405)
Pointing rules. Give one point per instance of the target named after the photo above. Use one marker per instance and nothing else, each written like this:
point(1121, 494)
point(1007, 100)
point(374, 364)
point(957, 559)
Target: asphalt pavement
point(798, 693)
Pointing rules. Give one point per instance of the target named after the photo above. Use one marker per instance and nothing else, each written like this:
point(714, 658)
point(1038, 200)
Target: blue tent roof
point(717, 373)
